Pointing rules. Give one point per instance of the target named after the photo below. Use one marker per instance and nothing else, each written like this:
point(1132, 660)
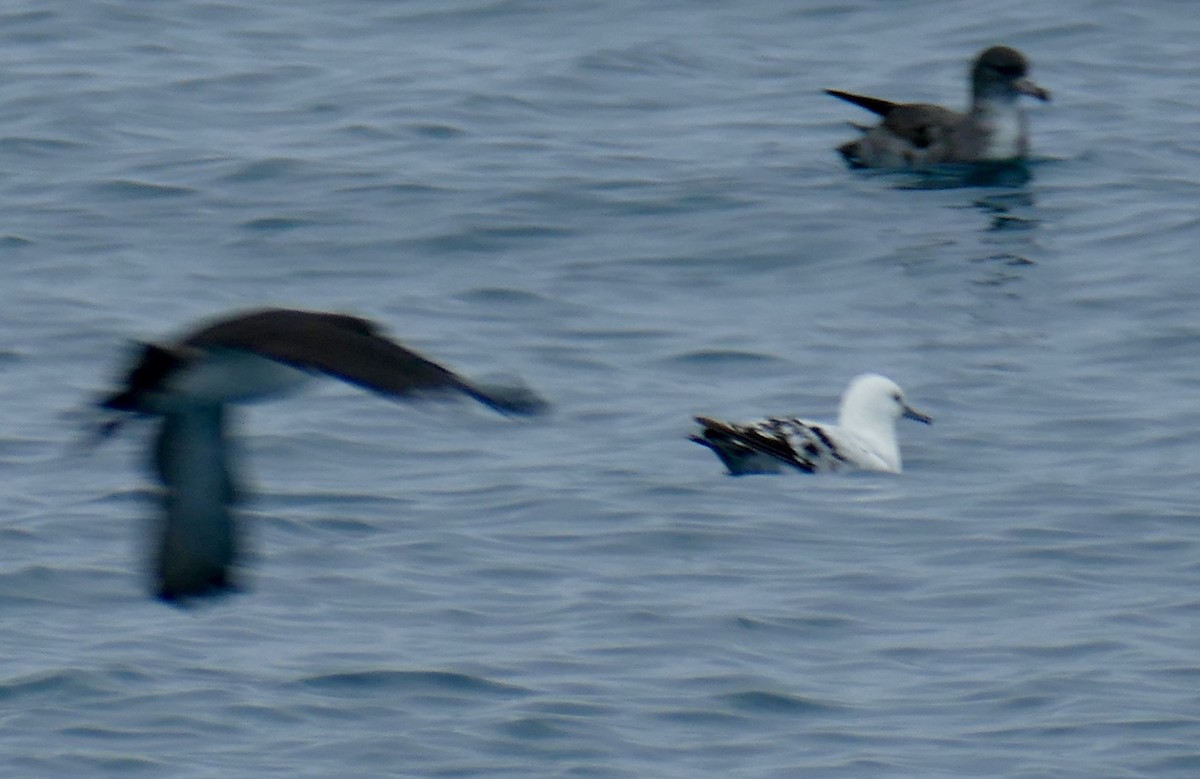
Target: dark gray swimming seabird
point(994, 128)
point(244, 357)
point(864, 437)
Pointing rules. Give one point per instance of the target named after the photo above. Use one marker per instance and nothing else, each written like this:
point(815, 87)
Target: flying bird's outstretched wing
point(354, 350)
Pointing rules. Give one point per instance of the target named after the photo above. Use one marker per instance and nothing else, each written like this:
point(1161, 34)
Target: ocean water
point(636, 208)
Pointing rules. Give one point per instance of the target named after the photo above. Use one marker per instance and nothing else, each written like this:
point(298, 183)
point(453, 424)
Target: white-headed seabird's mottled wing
point(763, 446)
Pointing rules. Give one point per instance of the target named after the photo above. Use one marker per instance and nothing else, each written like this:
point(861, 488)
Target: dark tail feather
point(712, 435)
point(727, 458)
point(851, 154)
point(737, 458)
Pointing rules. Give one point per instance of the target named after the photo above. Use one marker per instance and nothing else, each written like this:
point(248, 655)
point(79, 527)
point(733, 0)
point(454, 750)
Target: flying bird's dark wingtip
point(512, 400)
point(188, 592)
point(186, 599)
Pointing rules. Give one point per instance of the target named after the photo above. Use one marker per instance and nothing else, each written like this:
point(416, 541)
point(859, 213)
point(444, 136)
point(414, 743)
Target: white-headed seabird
point(863, 439)
point(994, 128)
point(244, 357)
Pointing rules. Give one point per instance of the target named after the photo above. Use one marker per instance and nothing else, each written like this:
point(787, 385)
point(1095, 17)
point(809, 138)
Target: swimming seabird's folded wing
point(805, 446)
point(875, 105)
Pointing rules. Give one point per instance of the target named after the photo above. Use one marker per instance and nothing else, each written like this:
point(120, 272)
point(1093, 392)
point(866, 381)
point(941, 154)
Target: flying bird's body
point(190, 384)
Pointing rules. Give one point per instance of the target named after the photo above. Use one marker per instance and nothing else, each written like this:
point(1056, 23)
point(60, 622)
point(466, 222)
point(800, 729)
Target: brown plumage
point(994, 127)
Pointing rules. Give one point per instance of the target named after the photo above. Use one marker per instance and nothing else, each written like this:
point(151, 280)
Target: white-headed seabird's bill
point(244, 357)
point(864, 437)
point(993, 128)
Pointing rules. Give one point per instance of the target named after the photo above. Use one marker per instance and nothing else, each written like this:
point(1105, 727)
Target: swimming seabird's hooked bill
point(244, 357)
point(994, 127)
point(864, 437)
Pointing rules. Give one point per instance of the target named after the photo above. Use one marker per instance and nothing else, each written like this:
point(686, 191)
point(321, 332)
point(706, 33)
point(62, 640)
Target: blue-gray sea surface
point(636, 208)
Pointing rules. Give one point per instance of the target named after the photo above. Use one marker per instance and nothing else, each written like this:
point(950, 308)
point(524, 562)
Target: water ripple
point(133, 189)
point(390, 680)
